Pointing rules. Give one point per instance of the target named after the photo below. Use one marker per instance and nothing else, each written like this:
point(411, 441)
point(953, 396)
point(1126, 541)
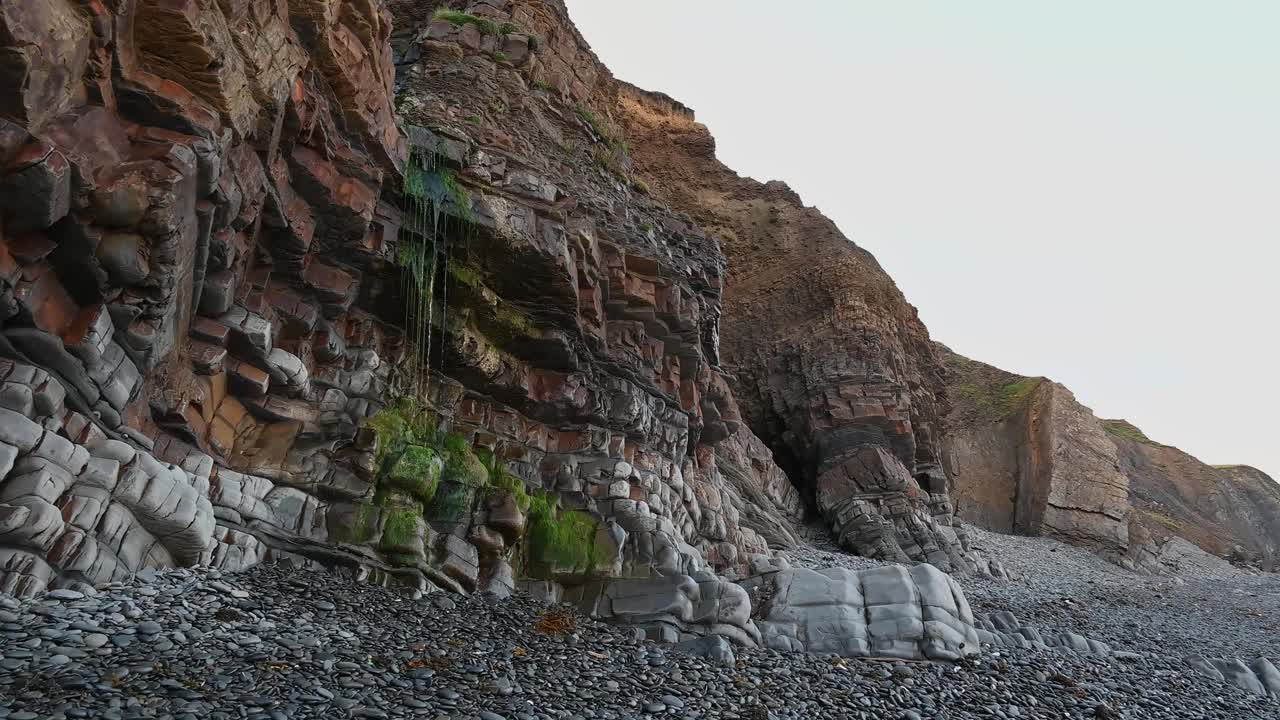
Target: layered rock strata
point(205, 303)
point(1231, 511)
point(831, 366)
point(1026, 457)
point(914, 613)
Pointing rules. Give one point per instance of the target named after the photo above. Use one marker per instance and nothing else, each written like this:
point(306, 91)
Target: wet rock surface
point(283, 642)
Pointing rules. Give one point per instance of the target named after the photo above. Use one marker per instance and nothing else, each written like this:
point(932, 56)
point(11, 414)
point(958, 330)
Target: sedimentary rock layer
point(1026, 457)
point(203, 281)
point(831, 366)
point(1232, 511)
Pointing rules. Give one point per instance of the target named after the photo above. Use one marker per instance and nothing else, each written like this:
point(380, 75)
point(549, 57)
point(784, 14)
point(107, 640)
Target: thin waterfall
point(424, 253)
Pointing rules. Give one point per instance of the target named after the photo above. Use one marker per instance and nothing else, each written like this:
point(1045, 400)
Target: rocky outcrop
point(224, 258)
point(189, 190)
point(832, 367)
point(914, 613)
point(1230, 511)
point(1026, 457)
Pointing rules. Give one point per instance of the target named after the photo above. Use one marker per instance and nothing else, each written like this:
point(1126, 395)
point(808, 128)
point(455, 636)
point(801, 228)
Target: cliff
point(1232, 511)
point(831, 366)
point(422, 289)
point(1027, 458)
point(279, 282)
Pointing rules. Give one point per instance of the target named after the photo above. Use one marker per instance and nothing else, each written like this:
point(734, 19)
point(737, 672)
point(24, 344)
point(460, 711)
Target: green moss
point(466, 275)
point(514, 320)
point(1127, 430)
point(366, 523)
point(501, 479)
point(451, 504)
point(399, 425)
point(542, 85)
point(426, 180)
point(507, 28)
point(566, 539)
point(1160, 518)
point(1014, 395)
point(462, 467)
point(994, 403)
point(455, 443)
point(460, 19)
point(403, 559)
point(401, 529)
point(416, 471)
point(500, 56)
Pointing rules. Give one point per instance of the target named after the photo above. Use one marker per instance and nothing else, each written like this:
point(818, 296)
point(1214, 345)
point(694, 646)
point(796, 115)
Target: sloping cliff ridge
point(1026, 457)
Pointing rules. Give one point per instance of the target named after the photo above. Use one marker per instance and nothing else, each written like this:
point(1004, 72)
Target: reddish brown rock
point(1027, 458)
point(830, 364)
point(1232, 511)
point(203, 214)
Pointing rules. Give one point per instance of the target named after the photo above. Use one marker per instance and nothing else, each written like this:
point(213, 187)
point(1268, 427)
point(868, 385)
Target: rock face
point(1025, 457)
point(888, 611)
point(190, 190)
point(1231, 511)
point(831, 366)
point(215, 283)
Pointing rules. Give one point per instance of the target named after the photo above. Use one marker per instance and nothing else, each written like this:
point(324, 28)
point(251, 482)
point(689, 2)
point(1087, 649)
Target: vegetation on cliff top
point(994, 402)
point(484, 25)
point(1127, 430)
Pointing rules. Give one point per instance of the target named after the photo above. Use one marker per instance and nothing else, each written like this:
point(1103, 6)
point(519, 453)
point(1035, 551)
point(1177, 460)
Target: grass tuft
point(484, 25)
point(502, 480)
point(564, 538)
point(460, 19)
point(1127, 430)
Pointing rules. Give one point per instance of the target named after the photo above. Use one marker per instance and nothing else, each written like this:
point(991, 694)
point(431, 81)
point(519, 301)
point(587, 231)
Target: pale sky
point(1086, 190)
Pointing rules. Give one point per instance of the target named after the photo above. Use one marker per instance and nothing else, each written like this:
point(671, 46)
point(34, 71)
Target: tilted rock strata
point(1231, 511)
point(186, 193)
point(831, 366)
point(1026, 457)
point(202, 211)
